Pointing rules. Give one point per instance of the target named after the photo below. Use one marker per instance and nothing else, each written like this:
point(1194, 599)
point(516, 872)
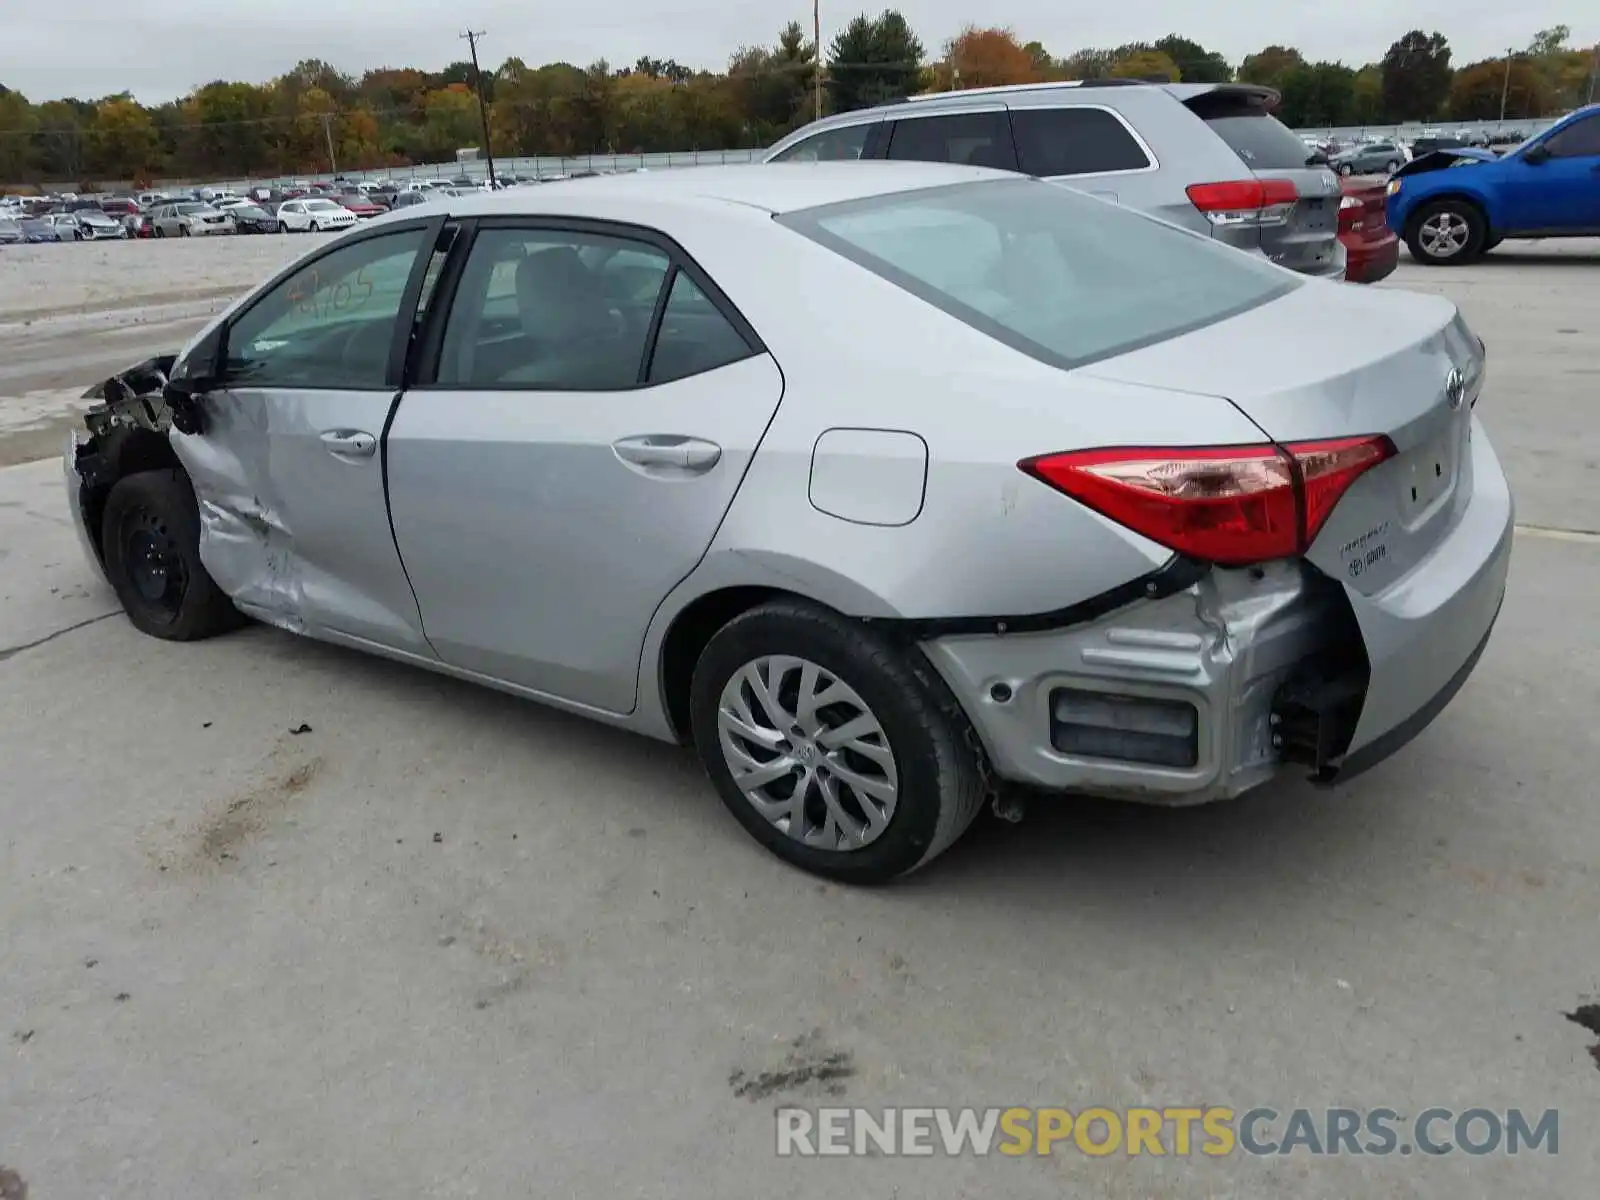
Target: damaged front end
point(1438, 160)
point(125, 432)
point(244, 542)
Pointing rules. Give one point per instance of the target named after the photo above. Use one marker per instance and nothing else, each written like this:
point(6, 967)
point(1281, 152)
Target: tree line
point(315, 118)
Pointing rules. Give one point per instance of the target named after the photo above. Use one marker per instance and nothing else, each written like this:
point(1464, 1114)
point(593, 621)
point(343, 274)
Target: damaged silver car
point(892, 488)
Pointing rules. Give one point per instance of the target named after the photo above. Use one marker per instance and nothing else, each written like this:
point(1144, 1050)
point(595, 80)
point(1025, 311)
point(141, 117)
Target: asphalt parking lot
point(441, 942)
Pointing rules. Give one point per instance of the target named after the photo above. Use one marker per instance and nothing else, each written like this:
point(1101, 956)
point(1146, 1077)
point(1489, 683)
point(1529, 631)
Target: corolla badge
point(1455, 388)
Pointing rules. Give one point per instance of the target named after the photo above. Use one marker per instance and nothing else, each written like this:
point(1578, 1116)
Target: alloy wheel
point(808, 753)
point(1444, 234)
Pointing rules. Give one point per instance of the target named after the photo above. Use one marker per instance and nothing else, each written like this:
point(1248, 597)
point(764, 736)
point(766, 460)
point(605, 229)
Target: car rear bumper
point(1370, 259)
point(1431, 622)
point(1223, 648)
point(1232, 650)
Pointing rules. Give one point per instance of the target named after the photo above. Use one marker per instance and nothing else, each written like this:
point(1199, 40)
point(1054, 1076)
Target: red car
point(1372, 250)
point(358, 203)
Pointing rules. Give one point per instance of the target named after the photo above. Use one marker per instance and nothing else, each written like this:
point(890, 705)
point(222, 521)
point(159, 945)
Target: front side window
point(1046, 270)
point(552, 309)
point(331, 323)
point(1581, 139)
point(1074, 141)
point(981, 139)
point(832, 145)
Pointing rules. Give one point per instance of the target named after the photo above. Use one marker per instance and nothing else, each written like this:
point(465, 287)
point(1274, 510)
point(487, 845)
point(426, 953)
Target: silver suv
point(1208, 157)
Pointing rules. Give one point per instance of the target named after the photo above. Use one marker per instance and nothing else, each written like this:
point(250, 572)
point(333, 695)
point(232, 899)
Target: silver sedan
point(893, 488)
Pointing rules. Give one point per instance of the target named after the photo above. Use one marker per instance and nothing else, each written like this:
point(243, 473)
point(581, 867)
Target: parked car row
point(283, 207)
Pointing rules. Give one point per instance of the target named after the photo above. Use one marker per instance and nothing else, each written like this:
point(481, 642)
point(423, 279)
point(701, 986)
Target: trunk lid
point(1389, 373)
point(1307, 239)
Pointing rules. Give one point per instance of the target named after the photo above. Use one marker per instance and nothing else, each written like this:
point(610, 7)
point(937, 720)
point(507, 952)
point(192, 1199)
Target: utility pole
point(1594, 71)
point(1505, 90)
point(327, 134)
point(472, 36)
point(816, 37)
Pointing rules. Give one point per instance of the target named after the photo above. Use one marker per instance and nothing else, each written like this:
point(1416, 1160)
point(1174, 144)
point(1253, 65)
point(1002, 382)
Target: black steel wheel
point(150, 544)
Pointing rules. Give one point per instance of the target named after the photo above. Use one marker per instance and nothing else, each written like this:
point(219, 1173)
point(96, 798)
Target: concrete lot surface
point(445, 943)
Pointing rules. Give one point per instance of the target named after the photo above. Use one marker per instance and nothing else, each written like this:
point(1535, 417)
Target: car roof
point(770, 188)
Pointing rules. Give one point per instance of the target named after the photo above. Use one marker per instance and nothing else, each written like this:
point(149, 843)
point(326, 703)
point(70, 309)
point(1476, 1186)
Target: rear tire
point(1446, 233)
point(150, 539)
point(876, 804)
point(1346, 169)
point(1391, 167)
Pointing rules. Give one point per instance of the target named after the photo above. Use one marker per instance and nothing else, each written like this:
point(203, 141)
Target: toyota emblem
point(1455, 388)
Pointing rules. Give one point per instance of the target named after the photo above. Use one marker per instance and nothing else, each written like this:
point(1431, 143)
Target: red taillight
point(1244, 201)
point(1229, 504)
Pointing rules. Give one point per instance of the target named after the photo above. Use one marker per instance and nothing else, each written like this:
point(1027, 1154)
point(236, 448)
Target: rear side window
point(1049, 271)
point(981, 139)
point(1074, 141)
point(1255, 135)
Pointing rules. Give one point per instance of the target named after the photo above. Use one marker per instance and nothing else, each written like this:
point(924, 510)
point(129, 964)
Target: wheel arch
point(125, 452)
point(726, 584)
point(1423, 203)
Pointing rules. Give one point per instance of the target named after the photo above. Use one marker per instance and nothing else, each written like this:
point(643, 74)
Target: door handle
point(350, 443)
point(656, 451)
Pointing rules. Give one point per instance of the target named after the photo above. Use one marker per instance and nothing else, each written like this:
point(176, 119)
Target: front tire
point(1446, 233)
point(150, 539)
point(1391, 167)
point(184, 231)
point(315, 228)
point(839, 751)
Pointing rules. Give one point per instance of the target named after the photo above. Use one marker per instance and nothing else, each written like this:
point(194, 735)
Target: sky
point(161, 49)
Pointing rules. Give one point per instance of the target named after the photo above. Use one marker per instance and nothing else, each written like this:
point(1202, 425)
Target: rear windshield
point(1255, 135)
point(1051, 272)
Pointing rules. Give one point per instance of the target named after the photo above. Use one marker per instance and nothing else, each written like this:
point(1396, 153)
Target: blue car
point(1453, 206)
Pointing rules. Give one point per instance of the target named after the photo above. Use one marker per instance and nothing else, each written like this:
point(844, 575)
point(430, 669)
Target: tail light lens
point(1245, 201)
point(1351, 210)
point(1231, 505)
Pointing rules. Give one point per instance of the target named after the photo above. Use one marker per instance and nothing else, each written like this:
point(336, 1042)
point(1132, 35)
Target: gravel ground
point(445, 943)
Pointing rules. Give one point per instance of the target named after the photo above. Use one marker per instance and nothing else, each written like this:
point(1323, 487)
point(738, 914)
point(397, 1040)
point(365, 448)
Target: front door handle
point(658, 451)
point(350, 443)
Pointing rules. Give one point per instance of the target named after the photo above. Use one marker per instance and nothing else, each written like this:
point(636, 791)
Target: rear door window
point(1255, 135)
point(1074, 141)
point(831, 145)
point(978, 139)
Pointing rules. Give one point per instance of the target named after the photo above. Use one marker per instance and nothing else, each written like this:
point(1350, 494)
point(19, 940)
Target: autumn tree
point(1087, 64)
point(1416, 76)
point(1195, 63)
point(873, 60)
point(986, 58)
point(1146, 64)
point(19, 125)
point(1269, 66)
point(122, 138)
point(774, 89)
point(1317, 94)
point(1477, 90)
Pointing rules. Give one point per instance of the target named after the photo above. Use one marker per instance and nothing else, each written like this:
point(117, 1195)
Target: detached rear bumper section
point(1191, 698)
